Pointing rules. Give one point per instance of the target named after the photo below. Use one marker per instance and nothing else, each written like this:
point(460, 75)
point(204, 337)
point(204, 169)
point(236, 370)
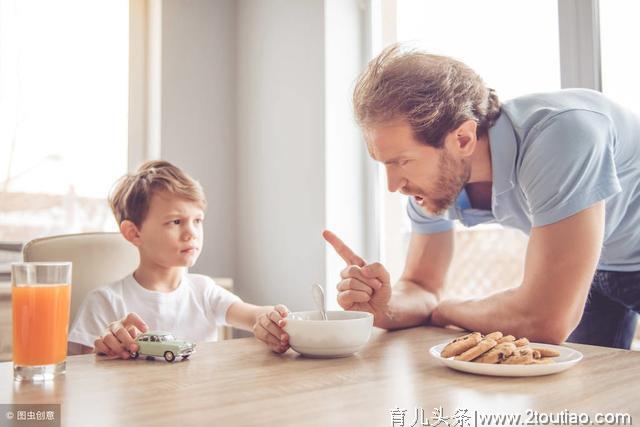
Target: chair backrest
point(98, 259)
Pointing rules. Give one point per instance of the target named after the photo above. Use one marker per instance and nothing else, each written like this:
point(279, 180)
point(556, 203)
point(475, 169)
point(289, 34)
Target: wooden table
point(240, 383)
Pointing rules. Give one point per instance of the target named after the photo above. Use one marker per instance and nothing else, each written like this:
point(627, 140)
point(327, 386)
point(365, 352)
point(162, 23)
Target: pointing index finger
point(342, 249)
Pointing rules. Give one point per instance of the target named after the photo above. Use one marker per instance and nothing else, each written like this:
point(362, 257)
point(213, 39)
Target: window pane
point(620, 68)
point(63, 114)
point(512, 45)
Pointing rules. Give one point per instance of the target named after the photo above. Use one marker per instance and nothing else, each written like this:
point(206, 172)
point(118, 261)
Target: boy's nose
point(189, 234)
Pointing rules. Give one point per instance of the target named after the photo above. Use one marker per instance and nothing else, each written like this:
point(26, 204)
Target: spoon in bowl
point(318, 297)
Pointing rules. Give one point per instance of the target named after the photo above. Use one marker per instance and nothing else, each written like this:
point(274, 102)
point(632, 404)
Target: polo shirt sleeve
point(568, 165)
point(421, 223)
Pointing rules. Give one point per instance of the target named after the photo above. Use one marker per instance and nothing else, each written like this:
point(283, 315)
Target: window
point(620, 69)
point(63, 114)
point(513, 56)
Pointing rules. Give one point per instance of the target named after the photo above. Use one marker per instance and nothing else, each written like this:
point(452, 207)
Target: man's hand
point(364, 287)
point(118, 339)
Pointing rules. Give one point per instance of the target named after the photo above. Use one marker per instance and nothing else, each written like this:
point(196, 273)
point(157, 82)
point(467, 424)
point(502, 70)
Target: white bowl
point(345, 333)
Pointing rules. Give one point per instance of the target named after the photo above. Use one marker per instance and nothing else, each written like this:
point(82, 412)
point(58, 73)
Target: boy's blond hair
point(131, 195)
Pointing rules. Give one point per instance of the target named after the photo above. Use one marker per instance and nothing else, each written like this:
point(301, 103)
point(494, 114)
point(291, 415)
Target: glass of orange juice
point(41, 295)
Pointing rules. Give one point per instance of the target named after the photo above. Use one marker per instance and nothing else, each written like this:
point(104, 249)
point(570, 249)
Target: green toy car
point(162, 344)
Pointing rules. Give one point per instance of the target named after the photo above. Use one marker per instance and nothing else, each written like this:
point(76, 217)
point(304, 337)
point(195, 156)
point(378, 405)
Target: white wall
point(346, 157)
point(198, 130)
point(255, 95)
point(280, 163)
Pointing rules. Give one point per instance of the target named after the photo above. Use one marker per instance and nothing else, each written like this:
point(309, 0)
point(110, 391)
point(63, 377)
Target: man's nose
point(395, 181)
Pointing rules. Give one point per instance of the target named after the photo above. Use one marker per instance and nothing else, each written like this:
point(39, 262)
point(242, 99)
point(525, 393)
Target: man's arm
point(418, 290)
point(366, 287)
point(560, 263)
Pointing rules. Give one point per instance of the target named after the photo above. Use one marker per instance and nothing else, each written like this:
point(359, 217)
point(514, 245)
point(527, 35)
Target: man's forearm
point(503, 311)
point(410, 305)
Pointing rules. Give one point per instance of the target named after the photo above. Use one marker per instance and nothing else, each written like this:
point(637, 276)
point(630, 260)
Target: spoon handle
point(318, 297)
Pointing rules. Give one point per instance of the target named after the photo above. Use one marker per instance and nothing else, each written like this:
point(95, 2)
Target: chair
point(98, 259)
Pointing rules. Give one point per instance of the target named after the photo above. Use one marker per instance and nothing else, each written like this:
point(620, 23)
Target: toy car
point(162, 344)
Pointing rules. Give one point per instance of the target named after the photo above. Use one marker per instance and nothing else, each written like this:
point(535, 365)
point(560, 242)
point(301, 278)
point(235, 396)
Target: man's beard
point(453, 175)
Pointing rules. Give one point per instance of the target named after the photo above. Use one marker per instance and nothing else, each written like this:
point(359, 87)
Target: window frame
point(580, 66)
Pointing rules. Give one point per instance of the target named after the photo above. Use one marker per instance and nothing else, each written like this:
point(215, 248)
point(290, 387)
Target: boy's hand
point(118, 339)
point(268, 329)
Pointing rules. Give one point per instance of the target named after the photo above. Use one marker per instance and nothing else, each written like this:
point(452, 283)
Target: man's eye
point(403, 162)
point(176, 222)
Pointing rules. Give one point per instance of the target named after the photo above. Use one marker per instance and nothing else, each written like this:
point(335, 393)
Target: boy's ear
point(130, 232)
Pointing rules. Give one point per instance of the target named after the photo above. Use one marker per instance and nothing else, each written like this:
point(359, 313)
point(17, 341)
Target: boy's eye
point(403, 162)
point(198, 220)
point(176, 222)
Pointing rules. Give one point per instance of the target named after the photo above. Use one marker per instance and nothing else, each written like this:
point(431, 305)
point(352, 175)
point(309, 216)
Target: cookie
point(497, 354)
point(482, 347)
point(521, 342)
point(494, 335)
point(506, 338)
point(547, 352)
point(461, 344)
point(522, 356)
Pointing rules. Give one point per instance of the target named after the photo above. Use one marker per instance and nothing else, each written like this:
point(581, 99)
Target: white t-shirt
point(191, 312)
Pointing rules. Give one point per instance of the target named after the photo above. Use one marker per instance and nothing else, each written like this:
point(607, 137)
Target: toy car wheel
point(185, 357)
point(135, 355)
point(169, 356)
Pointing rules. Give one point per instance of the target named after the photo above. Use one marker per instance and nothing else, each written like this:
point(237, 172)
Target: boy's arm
point(243, 316)
point(265, 322)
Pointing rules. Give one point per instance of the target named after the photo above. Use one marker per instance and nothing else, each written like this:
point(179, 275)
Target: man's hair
point(131, 195)
point(435, 94)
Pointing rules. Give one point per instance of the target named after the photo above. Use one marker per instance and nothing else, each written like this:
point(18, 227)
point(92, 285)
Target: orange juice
point(40, 323)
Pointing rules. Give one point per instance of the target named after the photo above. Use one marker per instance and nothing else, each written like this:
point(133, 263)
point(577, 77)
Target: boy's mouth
point(190, 250)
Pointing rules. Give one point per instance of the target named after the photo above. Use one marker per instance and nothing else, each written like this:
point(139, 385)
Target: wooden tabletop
point(240, 383)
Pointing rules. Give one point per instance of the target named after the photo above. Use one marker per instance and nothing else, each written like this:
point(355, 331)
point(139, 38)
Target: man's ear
point(130, 232)
point(465, 137)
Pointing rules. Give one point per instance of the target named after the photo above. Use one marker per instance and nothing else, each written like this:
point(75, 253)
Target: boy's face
point(171, 235)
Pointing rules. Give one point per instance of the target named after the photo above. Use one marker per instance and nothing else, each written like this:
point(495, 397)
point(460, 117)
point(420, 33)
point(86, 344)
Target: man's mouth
point(419, 200)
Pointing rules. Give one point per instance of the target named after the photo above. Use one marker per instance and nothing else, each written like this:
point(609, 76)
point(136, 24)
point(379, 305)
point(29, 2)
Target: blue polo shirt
point(553, 155)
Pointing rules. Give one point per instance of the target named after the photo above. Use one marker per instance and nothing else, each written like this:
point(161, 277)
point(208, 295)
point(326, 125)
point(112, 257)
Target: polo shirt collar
point(504, 151)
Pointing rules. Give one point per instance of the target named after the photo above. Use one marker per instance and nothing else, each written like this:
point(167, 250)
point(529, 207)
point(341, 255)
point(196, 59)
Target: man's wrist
point(383, 320)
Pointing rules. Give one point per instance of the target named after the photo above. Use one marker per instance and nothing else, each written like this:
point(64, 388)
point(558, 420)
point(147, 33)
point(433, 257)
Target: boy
point(160, 210)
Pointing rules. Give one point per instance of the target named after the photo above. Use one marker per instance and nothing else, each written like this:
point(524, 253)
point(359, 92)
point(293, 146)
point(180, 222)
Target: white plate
point(568, 357)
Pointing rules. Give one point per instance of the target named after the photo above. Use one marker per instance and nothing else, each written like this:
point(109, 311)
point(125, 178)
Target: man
point(563, 167)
